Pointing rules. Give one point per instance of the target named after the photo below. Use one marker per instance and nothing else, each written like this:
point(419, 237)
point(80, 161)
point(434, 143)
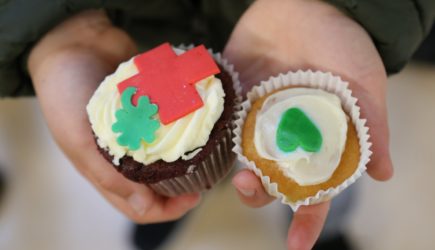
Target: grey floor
point(48, 206)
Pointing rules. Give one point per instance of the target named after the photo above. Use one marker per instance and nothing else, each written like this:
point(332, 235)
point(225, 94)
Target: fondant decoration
point(297, 130)
point(168, 79)
point(135, 123)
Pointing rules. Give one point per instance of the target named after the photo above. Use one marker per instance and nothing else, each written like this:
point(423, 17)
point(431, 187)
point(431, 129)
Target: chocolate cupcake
point(165, 118)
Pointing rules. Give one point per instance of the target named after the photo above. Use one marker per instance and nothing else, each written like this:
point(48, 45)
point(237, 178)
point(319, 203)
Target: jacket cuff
point(22, 24)
point(14, 83)
point(397, 27)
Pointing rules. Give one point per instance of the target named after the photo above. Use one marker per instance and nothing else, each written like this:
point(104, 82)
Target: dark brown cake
point(161, 170)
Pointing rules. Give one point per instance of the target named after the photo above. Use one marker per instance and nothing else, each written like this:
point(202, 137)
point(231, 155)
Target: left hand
point(276, 36)
point(66, 66)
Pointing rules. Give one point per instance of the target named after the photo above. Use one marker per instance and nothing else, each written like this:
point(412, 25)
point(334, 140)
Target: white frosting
point(324, 110)
point(173, 140)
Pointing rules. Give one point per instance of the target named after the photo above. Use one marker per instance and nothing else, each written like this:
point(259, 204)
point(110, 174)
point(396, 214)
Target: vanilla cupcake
point(165, 118)
point(301, 133)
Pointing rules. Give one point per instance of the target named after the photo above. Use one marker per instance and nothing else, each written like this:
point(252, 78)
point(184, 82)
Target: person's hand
point(66, 67)
point(275, 36)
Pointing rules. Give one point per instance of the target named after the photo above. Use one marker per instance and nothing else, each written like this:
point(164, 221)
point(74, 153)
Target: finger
point(306, 226)
point(167, 209)
point(250, 189)
point(380, 166)
point(137, 201)
point(155, 209)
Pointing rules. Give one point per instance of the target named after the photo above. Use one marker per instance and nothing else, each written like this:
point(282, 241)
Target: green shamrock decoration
point(135, 123)
point(297, 130)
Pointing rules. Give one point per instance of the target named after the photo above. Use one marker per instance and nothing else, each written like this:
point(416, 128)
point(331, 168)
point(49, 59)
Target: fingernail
point(247, 192)
point(138, 203)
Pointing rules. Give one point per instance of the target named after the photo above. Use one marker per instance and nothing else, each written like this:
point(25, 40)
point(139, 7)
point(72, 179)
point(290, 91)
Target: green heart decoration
point(297, 130)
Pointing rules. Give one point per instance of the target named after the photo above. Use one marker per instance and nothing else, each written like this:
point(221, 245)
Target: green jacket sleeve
point(397, 27)
point(149, 22)
point(22, 23)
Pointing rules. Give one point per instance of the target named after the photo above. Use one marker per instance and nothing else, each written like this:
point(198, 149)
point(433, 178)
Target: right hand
point(277, 36)
point(66, 67)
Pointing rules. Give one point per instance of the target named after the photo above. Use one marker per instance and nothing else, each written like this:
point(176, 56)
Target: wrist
point(290, 17)
point(275, 36)
point(58, 71)
point(89, 32)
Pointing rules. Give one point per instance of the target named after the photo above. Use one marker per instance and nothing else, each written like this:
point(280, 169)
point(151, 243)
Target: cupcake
point(302, 134)
point(165, 118)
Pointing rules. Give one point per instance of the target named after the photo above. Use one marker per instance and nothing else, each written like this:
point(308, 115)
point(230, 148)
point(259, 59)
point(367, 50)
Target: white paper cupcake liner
point(218, 164)
point(319, 80)
point(203, 175)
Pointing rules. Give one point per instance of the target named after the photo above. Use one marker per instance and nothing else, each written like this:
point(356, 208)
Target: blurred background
point(46, 205)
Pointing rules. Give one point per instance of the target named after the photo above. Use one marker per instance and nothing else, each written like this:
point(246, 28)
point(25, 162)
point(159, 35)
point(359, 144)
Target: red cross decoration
point(168, 80)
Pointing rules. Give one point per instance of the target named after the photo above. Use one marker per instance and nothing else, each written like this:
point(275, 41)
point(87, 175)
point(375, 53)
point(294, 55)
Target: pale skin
point(273, 36)
point(66, 67)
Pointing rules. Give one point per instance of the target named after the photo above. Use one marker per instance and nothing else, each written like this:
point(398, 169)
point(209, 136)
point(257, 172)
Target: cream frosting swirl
point(174, 140)
point(324, 110)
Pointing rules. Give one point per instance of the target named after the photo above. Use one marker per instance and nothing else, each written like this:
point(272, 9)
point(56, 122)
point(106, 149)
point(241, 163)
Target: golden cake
point(302, 134)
